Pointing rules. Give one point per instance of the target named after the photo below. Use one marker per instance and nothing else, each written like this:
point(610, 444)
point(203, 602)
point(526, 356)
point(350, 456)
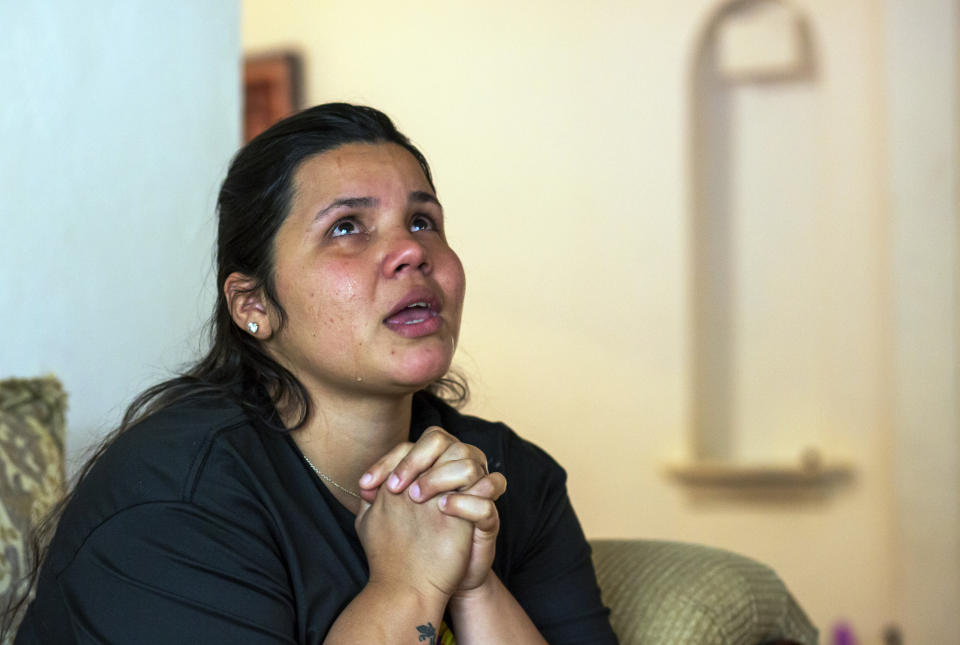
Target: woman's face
point(372, 292)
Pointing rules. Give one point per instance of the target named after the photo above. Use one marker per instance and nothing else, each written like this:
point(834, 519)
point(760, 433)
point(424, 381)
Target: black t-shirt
point(200, 526)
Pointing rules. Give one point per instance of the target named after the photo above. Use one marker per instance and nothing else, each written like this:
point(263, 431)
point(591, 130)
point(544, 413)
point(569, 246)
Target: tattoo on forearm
point(428, 632)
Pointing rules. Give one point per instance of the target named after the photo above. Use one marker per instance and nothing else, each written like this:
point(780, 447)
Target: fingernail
point(366, 479)
point(415, 491)
point(443, 502)
point(394, 481)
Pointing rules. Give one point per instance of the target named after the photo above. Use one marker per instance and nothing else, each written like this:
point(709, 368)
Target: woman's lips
point(415, 322)
point(416, 315)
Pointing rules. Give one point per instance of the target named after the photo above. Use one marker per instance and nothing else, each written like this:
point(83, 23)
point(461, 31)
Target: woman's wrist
point(388, 612)
point(490, 614)
point(426, 596)
point(482, 593)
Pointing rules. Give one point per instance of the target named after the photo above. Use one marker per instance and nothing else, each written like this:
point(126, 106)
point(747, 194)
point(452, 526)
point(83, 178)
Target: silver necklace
point(330, 480)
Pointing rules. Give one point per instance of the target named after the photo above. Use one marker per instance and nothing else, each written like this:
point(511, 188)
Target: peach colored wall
point(559, 134)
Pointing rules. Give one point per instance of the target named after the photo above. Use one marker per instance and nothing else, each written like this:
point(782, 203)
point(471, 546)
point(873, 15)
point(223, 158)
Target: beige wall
point(925, 257)
point(559, 133)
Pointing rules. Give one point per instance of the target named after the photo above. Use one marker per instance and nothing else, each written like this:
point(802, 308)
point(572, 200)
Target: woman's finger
point(482, 512)
point(446, 477)
point(374, 477)
point(492, 487)
point(364, 507)
point(434, 441)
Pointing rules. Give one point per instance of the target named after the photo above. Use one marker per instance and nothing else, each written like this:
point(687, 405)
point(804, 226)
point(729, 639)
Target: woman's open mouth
point(418, 314)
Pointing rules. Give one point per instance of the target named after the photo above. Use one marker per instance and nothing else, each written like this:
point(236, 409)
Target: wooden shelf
point(754, 475)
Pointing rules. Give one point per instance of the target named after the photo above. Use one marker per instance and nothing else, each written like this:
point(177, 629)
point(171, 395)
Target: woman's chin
point(418, 371)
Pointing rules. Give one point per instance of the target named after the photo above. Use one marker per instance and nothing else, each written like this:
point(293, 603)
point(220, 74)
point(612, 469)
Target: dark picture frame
point(272, 89)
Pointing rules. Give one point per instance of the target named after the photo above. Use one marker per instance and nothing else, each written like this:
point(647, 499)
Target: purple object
point(843, 635)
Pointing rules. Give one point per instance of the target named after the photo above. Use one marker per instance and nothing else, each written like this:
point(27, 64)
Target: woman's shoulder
point(170, 444)
point(158, 460)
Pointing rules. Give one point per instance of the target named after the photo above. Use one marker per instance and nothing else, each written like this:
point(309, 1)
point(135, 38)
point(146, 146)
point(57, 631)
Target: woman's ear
point(247, 305)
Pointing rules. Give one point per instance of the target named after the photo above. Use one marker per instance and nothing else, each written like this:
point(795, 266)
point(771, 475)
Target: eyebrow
point(416, 197)
point(348, 202)
point(423, 197)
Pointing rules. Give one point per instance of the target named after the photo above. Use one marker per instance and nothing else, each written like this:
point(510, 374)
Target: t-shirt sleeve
point(175, 573)
point(551, 574)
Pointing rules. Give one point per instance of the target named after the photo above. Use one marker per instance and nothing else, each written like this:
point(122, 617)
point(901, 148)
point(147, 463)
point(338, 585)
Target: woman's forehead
point(361, 173)
point(360, 163)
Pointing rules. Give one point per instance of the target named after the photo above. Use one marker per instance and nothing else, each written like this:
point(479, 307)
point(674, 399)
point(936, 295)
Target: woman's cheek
point(340, 284)
point(458, 280)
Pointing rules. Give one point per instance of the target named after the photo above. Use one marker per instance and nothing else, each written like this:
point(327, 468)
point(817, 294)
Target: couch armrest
point(675, 593)
point(32, 431)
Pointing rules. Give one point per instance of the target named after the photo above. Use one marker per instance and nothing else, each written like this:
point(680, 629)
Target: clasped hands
point(428, 520)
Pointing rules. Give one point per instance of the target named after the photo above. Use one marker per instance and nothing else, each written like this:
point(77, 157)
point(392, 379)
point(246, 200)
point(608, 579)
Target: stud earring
point(253, 327)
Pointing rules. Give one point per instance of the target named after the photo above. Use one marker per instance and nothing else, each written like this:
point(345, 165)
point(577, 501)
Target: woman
point(303, 483)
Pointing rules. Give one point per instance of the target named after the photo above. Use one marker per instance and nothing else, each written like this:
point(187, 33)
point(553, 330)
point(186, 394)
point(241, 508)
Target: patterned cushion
point(32, 429)
point(670, 593)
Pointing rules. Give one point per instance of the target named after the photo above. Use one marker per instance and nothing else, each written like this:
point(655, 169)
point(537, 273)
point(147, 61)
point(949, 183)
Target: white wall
point(559, 133)
point(117, 120)
point(922, 110)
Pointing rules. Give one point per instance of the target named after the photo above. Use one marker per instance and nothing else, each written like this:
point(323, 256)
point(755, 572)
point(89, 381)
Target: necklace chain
point(330, 480)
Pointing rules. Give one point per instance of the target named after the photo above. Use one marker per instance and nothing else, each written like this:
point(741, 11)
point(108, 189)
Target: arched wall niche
point(755, 152)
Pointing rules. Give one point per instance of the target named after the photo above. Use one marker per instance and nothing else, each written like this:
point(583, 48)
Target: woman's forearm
point(388, 614)
point(491, 615)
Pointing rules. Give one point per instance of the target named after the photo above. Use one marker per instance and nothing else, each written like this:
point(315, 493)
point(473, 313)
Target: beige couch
point(658, 592)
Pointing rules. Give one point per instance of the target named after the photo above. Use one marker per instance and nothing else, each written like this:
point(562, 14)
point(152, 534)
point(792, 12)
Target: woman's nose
point(405, 253)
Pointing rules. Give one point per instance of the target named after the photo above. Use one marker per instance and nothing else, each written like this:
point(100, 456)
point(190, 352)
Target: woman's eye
point(422, 223)
point(344, 227)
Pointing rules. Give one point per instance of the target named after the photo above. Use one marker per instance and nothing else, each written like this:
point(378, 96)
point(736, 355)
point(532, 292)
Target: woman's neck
point(343, 437)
